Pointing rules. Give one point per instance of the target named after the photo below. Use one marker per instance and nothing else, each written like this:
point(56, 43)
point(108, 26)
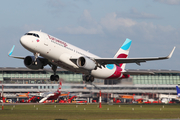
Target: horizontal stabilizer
point(138, 72)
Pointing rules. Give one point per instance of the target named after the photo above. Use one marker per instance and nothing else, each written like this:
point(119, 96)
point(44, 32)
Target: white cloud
point(120, 27)
point(134, 13)
point(60, 6)
point(151, 32)
point(112, 22)
point(86, 20)
point(170, 2)
point(81, 30)
point(87, 26)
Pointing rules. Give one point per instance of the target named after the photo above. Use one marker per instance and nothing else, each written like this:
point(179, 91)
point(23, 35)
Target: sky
point(99, 26)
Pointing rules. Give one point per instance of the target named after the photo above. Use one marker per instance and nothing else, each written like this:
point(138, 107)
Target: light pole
point(2, 97)
point(100, 99)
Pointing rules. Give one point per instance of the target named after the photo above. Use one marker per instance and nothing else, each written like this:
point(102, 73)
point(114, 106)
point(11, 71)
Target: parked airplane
point(178, 91)
point(51, 95)
point(52, 51)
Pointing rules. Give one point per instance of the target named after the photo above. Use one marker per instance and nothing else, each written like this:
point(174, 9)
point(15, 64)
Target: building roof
point(153, 70)
point(61, 69)
point(26, 69)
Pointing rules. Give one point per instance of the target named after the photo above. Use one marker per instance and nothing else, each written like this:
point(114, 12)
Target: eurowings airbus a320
point(49, 50)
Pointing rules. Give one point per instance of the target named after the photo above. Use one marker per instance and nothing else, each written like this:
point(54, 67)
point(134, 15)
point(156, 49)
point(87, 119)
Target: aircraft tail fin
point(123, 52)
point(178, 91)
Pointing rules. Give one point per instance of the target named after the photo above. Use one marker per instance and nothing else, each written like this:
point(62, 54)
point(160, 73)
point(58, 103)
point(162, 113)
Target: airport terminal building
point(23, 80)
point(27, 76)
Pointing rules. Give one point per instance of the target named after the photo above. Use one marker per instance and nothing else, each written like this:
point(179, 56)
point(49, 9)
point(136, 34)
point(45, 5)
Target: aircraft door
point(46, 40)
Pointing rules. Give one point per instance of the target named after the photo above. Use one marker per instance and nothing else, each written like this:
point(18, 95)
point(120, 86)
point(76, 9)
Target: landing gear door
point(46, 40)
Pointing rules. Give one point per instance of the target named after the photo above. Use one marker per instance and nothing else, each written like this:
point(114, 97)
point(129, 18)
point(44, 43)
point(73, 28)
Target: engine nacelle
point(29, 63)
point(86, 63)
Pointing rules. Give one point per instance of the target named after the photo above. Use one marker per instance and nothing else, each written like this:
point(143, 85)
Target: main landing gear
point(89, 78)
point(54, 77)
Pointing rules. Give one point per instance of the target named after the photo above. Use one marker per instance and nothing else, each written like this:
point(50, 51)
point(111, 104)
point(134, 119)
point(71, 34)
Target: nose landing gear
point(36, 55)
point(89, 78)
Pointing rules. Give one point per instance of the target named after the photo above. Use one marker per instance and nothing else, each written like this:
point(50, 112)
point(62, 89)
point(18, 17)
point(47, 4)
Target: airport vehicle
point(178, 91)
point(79, 100)
point(52, 51)
point(116, 100)
point(51, 95)
point(166, 100)
point(2, 99)
point(34, 99)
point(69, 100)
point(23, 95)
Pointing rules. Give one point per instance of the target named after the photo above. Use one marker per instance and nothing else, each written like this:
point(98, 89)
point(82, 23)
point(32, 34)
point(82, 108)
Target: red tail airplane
point(52, 95)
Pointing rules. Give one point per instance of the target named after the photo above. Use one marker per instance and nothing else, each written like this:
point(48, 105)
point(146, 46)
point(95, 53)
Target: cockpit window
point(33, 34)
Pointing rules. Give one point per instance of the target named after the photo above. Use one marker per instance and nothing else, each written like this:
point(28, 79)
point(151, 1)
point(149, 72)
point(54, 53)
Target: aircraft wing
point(145, 71)
point(117, 61)
point(43, 60)
point(18, 57)
point(45, 98)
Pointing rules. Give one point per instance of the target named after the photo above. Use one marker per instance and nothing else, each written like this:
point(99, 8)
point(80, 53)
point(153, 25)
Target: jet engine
point(86, 63)
point(30, 63)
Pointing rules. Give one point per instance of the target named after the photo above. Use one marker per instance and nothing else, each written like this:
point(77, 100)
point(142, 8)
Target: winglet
point(11, 51)
point(169, 56)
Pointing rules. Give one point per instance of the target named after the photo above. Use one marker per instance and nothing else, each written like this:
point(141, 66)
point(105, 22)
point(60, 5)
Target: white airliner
point(52, 51)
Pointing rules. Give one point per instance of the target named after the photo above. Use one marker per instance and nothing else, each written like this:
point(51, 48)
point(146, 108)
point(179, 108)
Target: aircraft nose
point(23, 40)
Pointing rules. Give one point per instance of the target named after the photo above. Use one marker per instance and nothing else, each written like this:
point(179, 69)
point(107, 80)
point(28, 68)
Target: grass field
point(89, 112)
